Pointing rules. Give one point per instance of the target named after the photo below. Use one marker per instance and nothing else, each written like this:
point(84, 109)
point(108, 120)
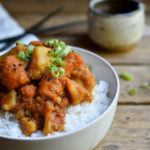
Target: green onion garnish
point(22, 55)
point(50, 67)
point(28, 56)
point(56, 42)
point(57, 51)
point(30, 49)
point(89, 67)
point(60, 50)
point(62, 44)
point(74, 51)
point(61, 71)
point(19, 43)
point(132, 92)
point(49, 42)
point(58, 61)
point(126, 76)
point(144, 85)
point(55, 72)
point(64, 52)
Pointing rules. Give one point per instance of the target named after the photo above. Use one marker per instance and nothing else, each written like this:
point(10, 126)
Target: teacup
point(116, 25)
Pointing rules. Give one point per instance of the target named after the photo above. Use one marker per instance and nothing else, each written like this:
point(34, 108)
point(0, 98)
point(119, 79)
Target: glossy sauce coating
point(40, 103)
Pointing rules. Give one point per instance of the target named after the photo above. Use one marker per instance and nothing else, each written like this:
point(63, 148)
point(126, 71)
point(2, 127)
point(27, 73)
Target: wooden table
point(130, 129)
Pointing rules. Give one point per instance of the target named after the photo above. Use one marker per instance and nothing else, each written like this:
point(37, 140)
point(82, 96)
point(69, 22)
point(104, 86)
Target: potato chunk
point(39, 62)
point(48, 118)
point(28, 126)
point(84, 77)
point(12, 72)
point(77, 93)
point(8, 101)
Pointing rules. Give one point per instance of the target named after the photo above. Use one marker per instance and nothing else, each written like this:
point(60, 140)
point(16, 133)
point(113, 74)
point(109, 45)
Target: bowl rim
point(141, 6)
point(114, 100)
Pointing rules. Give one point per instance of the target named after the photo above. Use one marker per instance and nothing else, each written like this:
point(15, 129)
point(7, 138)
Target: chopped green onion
point(50, 67)
point(74, 51)
point(55, 72)
point(49, 42)
point(62, 44)
point(19, 43)
point(132, 92)
point(126, 76)
point(65, 52)
point(144, 85)
point(30, 49)
point(61, 71)
point(51, 53)
point(57, 51)
point(58, 61)
point(56, 42)
point(25, 45)
point(28, 56)
point(22, 55)
point(89, 67)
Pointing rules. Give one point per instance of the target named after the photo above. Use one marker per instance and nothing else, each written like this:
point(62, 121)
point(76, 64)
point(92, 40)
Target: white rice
point(76, 116)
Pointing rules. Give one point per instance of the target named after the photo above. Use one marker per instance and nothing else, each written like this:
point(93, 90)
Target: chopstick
point(53, 28)
point(38, 24)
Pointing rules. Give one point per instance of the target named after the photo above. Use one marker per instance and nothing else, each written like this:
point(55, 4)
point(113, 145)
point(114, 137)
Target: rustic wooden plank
point(39, 6)
point(130, 130)
point(140, 74)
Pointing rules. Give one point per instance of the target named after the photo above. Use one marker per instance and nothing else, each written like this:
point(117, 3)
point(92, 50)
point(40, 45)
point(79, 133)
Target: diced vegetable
point(144, 85)
point(62, 44)
point(19, 43)
point(28, 126)
point(22, 56)
point(132, 92)
point(55, 72)
point(58, 61)
point(126, 76)
point(64, 52)
point(48, 123)
point(30, 49)
point(39, 62)
point(9, 100)
point(47, 126)
point(89, 67)
point(77, 93)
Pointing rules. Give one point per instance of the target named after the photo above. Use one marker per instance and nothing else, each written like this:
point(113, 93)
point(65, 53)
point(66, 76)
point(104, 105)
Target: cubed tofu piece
point(40, 60)
point(8, 101)
point(76, 93)
point(28, 126)
point(12, 72)
point(84, 77)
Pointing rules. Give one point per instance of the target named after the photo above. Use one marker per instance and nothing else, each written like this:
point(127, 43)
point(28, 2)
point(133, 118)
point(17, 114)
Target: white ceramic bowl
point(86, 137)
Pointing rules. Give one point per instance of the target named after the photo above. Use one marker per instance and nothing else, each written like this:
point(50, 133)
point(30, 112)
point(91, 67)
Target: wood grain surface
point(130, 129)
